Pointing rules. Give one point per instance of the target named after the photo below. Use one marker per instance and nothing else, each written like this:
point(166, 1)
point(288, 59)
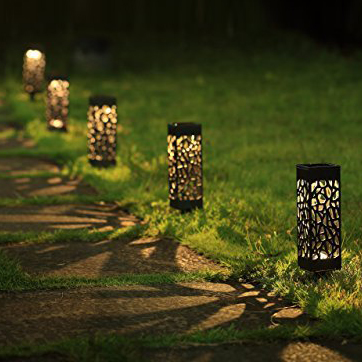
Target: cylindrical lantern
point(102, 131)
point(319, 216)
point(185, 165)
point(57, 103)
point(33, 71)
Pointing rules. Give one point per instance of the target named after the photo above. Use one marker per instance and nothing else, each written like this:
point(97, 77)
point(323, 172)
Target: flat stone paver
point(16, 166)
point(40, 187)
point(109, 258)
point(135, 310)
point(15, 141)
point(58, 217)
point(316, 351)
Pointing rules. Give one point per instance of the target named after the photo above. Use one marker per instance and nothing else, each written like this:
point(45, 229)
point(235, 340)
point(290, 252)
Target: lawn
point(263, 111)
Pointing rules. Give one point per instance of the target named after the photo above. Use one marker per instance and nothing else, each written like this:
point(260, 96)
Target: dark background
point(62, 23)
point(336, 21)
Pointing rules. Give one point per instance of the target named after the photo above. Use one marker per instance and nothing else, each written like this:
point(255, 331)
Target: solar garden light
point(57, 103)
point(185, 166)
point(102, 131)
point(33, 71)
point(319, 217)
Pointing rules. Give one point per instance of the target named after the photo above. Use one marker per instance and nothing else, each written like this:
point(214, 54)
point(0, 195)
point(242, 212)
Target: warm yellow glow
point(54, 83)
point(56, 123)
point(33, 54)
point(102, 127)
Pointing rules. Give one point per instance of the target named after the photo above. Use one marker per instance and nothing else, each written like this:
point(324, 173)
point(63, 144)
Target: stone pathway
point(41, 316)
point(108, 258)
point(15, 166)
point(60, 217)
point(11, 136)
point(139, 310)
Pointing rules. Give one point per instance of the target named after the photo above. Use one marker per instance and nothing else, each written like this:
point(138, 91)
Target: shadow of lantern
point(185, 166)
point(33, 72)
point(102, 131)
point(57, 103)
point(319, 217)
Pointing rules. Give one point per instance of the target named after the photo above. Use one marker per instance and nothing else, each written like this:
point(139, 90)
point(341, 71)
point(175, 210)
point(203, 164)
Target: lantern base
point(320, 265)
point(62, 129)
point(102, 164)
point(186, 205)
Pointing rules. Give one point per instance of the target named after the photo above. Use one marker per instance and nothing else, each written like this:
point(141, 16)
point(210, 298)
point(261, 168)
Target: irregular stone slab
point(109, 258)
point(16, 166)
point(39, 186)
point(13, 141)
point(56, 217)
point(47, 357)
point(259, 352)
point(132, 310)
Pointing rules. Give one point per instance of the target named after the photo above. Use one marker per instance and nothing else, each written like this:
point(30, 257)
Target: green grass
point(263, 111)
point(115, 348)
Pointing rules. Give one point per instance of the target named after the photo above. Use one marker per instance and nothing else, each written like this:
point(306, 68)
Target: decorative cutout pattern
point(33, 71)
point(102, 134)
point(318, 219)
point(185, 167)
point(303, 214)
point(57, 104)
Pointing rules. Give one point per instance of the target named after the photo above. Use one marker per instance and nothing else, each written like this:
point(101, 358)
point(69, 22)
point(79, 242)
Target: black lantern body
point(319, 217)
point(57, 103)
point(102, 131)
point(185, 166)
point(33, 71)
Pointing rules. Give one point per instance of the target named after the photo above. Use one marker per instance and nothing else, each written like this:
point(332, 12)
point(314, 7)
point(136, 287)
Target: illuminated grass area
point(262, 112)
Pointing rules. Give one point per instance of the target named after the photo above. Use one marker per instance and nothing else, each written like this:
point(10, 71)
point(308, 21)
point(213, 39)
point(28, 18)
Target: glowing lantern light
point(185, 166)
point(319, 217)
point(33, 71)
point(57, 103)
point(102, 131)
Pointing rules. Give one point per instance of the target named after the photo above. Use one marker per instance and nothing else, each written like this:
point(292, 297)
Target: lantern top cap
point(34, 45)
point(184, 128)
point(102, 101)
point(318, 171)
point(35, 48)
point(315, 166)
point(56, 77)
